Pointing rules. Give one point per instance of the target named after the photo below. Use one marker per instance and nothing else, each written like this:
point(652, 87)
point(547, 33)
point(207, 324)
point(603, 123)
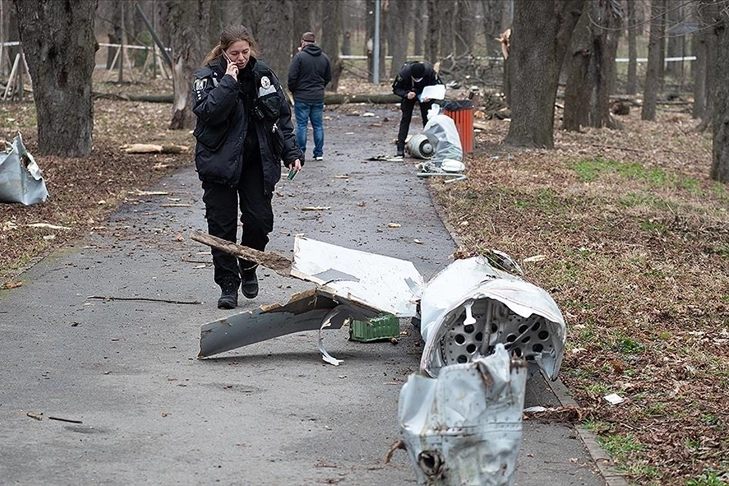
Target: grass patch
point(709, 478)
point(619, 445)
point(592, 169)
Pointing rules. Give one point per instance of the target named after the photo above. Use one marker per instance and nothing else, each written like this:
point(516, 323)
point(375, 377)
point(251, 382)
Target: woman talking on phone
point(243, 133)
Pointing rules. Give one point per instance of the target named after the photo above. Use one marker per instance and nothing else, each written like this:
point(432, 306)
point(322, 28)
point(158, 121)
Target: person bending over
point(408, 85)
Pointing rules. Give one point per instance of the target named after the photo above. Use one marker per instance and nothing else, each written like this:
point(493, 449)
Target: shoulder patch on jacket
point(199, 84)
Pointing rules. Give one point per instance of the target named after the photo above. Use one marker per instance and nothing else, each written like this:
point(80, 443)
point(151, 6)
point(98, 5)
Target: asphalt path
point(100, 383)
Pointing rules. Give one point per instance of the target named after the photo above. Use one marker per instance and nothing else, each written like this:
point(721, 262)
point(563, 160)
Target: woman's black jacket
point(222, 124)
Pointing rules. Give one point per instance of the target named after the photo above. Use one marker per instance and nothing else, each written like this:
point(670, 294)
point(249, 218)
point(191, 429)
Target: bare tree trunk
point(591, 68)
point(302, 10)
point(698, 70)
point(465, 31)
point(432, 39)
point(397, 33)
point(332, 18)
point(383, 40)
point(711, 79)
point(654, 66)
point(539, 40)
point(190, 43)
point(606, 35)
point(491, 12)
point(447, 14)
point(275, 30)
point(419, 25)
point(705, 44)
point(578, 87)
point(61, 66)
point(720, 159)
point(109, 11)
point(674, 42)
point(370, 28)
point(632, 86)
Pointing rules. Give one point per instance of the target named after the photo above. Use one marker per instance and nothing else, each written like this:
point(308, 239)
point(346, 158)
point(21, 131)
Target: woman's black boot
point(229, 296)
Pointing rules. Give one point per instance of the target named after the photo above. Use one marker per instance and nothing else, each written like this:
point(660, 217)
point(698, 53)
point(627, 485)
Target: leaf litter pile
point(631, 238)
point(622, 227)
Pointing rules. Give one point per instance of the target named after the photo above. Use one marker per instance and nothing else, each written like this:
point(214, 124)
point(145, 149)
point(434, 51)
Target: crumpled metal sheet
point(464, 427)
point(305, 311)
point(471, 306)
point(20, 177)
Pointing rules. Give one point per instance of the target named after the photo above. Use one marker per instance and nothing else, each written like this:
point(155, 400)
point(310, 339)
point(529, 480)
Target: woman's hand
point(295, 165)
point(232, 70)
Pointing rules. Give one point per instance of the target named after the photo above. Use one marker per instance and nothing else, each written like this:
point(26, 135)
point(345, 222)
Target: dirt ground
point(622, 227)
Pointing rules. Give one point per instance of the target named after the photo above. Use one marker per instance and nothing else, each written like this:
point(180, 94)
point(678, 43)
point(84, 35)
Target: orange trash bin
point(461, 112)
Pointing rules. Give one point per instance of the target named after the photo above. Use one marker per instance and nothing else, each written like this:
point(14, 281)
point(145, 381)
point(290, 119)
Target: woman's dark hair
point(231, 34)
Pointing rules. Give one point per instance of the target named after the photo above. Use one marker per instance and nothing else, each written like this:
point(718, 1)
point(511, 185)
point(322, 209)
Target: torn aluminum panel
point(385, 283)
point(464, 427)
point(470, 307)
point(305, 311)
point(20, 177)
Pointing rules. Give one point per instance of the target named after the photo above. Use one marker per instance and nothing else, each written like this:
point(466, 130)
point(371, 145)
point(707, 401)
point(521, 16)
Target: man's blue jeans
point(314, 111)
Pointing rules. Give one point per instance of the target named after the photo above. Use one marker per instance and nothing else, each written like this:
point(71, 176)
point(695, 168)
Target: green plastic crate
point(384, 326)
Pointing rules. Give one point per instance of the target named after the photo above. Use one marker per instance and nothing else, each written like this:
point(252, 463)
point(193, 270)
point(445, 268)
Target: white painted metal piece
point(507, 310)
point(385, 283)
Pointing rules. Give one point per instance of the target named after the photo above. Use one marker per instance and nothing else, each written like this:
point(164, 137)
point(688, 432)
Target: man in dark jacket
point(309, 73)
point(409, 84)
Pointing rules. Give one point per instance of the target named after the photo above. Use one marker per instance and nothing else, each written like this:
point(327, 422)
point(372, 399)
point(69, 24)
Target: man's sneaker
point(319, 158)
point(400, 153)
point(249, 283)
point(229, 296)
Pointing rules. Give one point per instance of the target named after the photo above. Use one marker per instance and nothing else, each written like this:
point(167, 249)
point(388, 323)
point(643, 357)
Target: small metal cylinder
point(420, 146)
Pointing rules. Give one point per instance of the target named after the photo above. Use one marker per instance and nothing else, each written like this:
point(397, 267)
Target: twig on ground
point(61, 419)
point(150, 299)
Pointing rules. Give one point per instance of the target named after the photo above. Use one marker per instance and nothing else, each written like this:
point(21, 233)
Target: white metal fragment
point(320, 343)
point(506, 310)
point(21, 180)
point(379, 282)
point(614, 398)
point(464, 427)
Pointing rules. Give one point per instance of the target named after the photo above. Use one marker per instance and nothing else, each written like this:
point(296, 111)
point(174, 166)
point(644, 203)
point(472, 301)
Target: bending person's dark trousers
point(221, 204)
point(407, 107)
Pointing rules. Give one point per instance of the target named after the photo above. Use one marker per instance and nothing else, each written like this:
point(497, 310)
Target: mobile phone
point(292, 174)
point(226, 57)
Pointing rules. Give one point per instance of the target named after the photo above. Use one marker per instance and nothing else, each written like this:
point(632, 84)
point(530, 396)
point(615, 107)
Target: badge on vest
point(266, 87)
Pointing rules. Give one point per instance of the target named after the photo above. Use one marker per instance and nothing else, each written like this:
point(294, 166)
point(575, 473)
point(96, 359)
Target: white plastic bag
point(442, 131)
point(20, 177)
